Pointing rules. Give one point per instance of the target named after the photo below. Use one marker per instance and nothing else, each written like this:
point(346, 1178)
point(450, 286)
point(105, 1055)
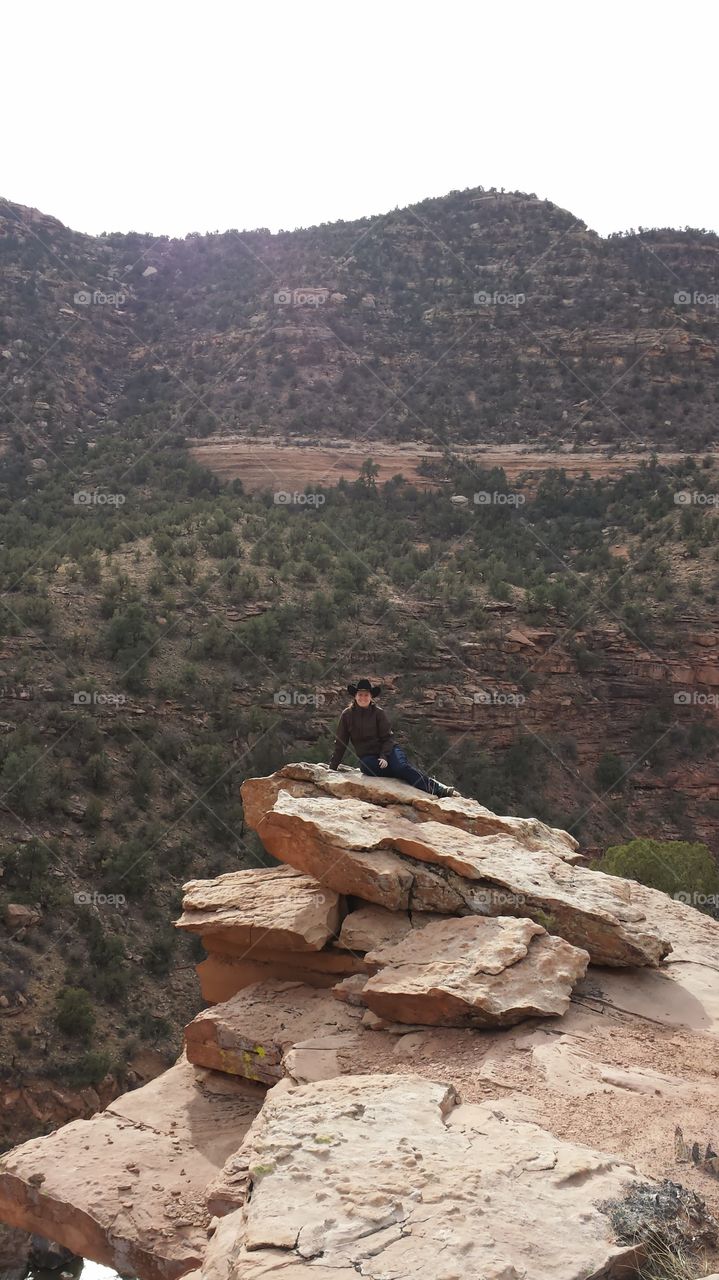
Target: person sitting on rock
point(366, 727)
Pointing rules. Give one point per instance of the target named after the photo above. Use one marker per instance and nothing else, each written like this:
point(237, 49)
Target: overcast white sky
point(169, 117)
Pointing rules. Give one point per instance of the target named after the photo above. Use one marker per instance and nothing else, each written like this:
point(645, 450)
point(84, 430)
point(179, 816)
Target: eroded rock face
point(223, 975)
point(475, 971)
point(265, 908)
point(250, 1034)
point(388, 1176)
point(369, 852)
point(127, 1188)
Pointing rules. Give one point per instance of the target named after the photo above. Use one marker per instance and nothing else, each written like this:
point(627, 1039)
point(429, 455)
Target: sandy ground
point(278, 465)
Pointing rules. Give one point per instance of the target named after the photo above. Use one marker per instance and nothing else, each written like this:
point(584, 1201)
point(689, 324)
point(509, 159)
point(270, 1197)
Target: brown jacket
point(367, 728)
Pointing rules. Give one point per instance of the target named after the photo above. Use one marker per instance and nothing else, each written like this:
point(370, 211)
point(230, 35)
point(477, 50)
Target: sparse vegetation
point(145, 643)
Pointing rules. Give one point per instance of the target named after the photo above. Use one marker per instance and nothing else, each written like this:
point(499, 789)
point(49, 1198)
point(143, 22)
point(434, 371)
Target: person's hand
point(382, 763)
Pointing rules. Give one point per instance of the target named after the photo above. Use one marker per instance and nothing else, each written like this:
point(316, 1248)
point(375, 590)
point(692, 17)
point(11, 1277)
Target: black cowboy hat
point(374, 689)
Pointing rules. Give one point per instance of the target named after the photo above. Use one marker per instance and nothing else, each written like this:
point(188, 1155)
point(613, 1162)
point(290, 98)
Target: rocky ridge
point(420, 990)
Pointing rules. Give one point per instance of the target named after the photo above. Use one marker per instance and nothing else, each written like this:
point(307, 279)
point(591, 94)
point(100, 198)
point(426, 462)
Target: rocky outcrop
point(451, 941)
point(473, 972)
point(362, 1176)
point(127, 1188)
point(368, 850)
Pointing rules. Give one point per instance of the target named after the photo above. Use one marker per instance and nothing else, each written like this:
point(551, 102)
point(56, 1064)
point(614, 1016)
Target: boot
point(439, 790)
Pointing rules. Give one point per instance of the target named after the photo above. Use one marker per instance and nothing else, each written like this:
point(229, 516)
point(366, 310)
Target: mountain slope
point(162, 636)
point(386, 326)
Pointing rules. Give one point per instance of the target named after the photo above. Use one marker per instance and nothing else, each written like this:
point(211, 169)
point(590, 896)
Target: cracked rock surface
point(386, 1176)
point(250, 1034)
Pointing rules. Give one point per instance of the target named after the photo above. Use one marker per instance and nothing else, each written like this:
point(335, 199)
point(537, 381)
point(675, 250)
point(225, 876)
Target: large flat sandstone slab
point(473, 971)
point(417, 806)
point(251, 1034)
point(386, 1176)
point(127, 1188)
point(369, 852)
point(266, 907)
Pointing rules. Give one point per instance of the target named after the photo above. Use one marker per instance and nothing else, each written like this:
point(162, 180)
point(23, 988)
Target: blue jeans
point(398, 766)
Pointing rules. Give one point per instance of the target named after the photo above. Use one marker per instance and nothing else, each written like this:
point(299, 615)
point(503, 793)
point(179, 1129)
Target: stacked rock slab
point(400, 799)
point(271, 1030)
point(265, 924)
point(361, 874)
point(473, 972)
point(398, 853)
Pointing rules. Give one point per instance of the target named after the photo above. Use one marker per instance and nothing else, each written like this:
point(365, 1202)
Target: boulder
point(250, 1034)
point(267, 907)
point(372, 853)
point(18, 916)
point(387, 1175)
point(474, 971)
point(127, 1188)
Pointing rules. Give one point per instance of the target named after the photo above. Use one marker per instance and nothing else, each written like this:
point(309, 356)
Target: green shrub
point(610, 771)
point(75, 1015)
point(23, 781)
point(93, 814)
point(677, 867)
point(90, 1069)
